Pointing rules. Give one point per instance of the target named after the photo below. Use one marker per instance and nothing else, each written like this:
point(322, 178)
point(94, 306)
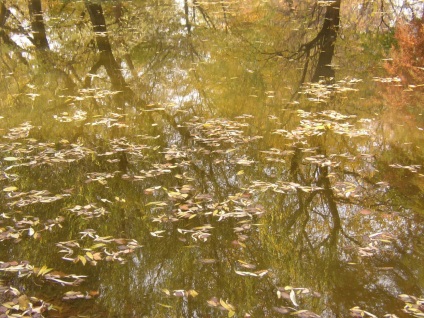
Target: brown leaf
point(23, 302)
point(365, 212)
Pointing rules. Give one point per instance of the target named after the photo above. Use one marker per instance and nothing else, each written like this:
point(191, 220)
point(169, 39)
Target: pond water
point(194, 159)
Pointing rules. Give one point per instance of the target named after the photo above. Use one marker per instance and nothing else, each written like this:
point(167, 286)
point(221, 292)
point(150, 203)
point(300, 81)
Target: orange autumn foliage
point(408, 57)
point(408, 64)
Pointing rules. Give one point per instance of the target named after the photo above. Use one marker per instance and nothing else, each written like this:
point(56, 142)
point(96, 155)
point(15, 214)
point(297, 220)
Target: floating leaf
point(89, 255)
point(208, 261)
point(93, 247)
point(82, 259)
point(23, 302)
point(293, 297)
point(166, 291)
point(365, 212)
point(226, 305)
point(282, 310)
point(193, 293)
point(10, 189)
point(44, 270)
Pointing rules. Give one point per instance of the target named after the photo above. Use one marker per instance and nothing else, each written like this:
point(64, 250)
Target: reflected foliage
point(209, 159)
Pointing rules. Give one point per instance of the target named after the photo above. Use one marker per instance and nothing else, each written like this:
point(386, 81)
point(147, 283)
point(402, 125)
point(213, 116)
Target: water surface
point(183, 159)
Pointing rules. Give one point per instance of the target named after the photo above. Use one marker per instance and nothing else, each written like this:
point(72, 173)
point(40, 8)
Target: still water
point(187, 159)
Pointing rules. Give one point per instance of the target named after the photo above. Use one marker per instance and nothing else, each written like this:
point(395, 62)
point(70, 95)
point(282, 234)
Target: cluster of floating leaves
point(239, 206)
point(25, 269)
point(377, 242)
point(89, 211)
point(18, 304)
point(317, 124)
point(259, 273)
point(123, 145)
point(33, 154)
point(219, 132)
point(346, 189)
point(91, 248)
point(21, 199)
point(411, 168)
point(180, 203)
point(100, 177)
point(201, 233)
point(282, 187)
point(112, 120)
point(87, 93)
point(413, 305)
point(329, 114)
point(326, 3)
point(15, 229)
point(387, 79)
point(19, 132)
point(65, 117)
point(222, 305)
point(159, 169)
point(294, 295)
point(321, 91)
point(321, 161)
point(180, 292)
point(357, 312)
point(275, 155)
point(174, 153)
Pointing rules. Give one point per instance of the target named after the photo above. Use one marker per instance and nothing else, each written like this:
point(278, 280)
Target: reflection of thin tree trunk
point(323, 43)
point(4, 13)
point(118, 12)
point(224, 10)
point(331, 203)
point(106, 58)
point(329, 36)
point(206, 17)
point(40, 42)
point(37, 24)
point(186, 16)
point(295, 174)
point(92, 71)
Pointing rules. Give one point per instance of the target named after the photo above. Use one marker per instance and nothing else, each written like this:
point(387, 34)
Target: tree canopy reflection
point(198, 158)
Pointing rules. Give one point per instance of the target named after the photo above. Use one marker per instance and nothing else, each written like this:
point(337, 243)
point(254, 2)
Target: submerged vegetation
point(211, 159)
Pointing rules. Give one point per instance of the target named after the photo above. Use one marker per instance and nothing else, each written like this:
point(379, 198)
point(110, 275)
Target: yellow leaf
point(193, 293)
point(82, 259)
point(227, 306)
point(10, 189)
point(97, 246)
point(166, 291)
point(298, 312)
point(41, 270)
point(44, 270)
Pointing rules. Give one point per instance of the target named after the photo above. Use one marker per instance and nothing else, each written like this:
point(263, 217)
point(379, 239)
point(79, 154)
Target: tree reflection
point(37, 25)
point(238, 194)
point(106, 58)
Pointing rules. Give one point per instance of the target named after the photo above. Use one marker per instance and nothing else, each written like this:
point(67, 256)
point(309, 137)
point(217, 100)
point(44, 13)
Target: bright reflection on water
point(178, 162)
